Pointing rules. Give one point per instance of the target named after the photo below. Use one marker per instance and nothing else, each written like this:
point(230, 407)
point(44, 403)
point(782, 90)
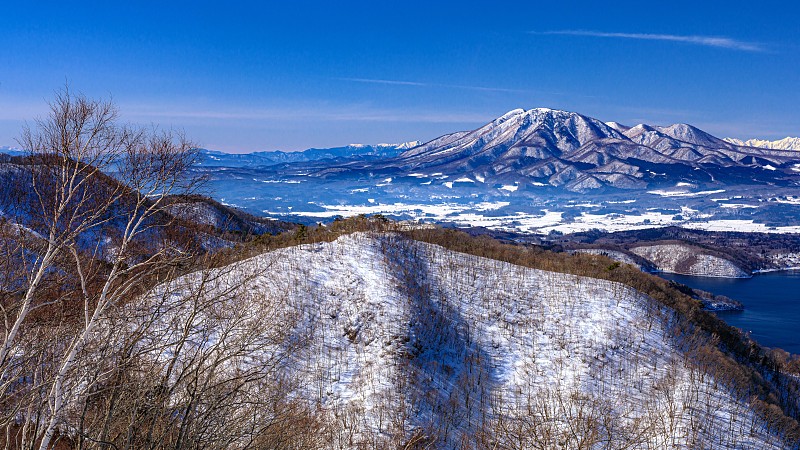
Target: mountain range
point(787, 143)
point(546, 147)
point(212, 158)
point(578, 153)
point(528, 171)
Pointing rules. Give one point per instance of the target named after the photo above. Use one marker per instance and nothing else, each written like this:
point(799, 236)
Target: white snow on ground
point(440, 210)
point(739, 225)
point(549, 221)
point(737, 206)
point(789, 260)
point(789, 200)
point(393, 335)
point(464, 180)
point(665, 193)
point(583, 205)
point(279, 181)
point(612, 222)
point(510, 187)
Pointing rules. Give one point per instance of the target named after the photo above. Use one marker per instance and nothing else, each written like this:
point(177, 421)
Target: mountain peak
point(513, 112)
point(535, 133)
point(552, 119)
point(618, 126)
point(691, 134)
point(787, 143)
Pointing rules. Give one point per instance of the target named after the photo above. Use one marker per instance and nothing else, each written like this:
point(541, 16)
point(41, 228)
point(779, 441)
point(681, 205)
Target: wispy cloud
point(708, 41)
point(440, 85)
point(392, 82)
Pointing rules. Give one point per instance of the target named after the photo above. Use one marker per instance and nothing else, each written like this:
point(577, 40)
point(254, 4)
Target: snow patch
point(665, 193)
point(510, 187)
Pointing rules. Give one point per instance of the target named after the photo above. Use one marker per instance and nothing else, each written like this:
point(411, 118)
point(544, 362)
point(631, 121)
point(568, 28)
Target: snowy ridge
point(682, 259)
point(618, 126)
point(394, 338)
point(787, 143)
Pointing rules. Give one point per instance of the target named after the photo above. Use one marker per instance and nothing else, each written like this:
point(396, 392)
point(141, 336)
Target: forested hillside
point(136, 315)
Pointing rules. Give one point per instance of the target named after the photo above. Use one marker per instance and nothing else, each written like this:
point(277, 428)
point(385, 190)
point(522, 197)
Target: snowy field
point(392, 338)
point(547, 220)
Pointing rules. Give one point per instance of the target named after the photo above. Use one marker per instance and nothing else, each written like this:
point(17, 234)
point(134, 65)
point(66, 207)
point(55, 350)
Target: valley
point(538, 171)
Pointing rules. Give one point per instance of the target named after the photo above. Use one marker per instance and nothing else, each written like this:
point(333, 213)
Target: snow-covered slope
point(693, 135)
point(688, 260)
point(787, 143)
point(393, 338)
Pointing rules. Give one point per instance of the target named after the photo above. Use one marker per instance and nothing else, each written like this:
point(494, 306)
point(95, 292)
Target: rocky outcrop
point(689, 260)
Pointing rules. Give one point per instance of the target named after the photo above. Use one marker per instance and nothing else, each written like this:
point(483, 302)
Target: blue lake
point(771, 302)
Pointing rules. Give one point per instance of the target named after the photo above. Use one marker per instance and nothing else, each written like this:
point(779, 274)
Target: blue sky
point(248, 76)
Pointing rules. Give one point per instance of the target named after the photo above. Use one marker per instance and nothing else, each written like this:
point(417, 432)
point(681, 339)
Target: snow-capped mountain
point(787, 143)
point(542, 130)
point(578, 153)
point(402, 146)
point(10, 150)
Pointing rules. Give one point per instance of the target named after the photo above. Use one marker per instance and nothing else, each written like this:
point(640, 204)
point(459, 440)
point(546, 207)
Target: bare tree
point(100, 235)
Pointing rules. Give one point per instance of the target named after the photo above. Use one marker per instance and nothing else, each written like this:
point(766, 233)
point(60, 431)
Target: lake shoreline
point(771, 303)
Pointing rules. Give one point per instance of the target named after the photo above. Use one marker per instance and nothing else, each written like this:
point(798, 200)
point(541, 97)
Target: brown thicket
point(90, 359)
